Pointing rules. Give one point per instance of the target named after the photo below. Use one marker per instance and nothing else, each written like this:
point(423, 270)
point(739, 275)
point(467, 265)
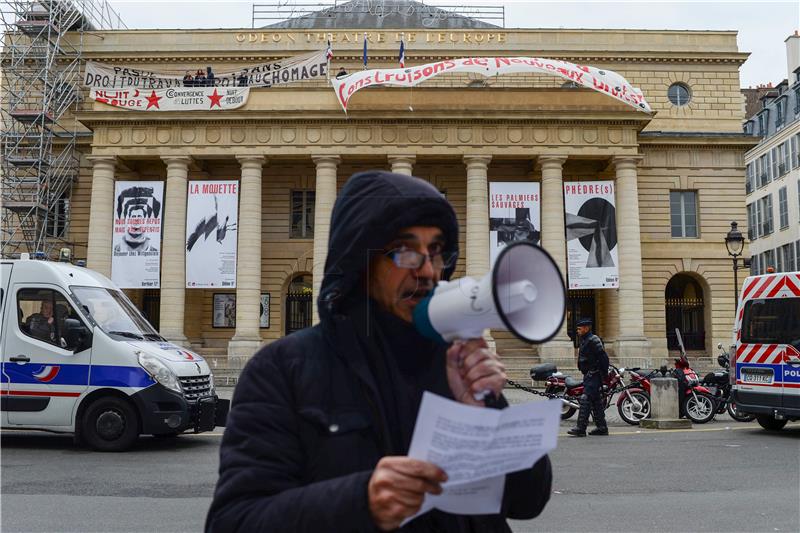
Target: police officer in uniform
point(593, 363)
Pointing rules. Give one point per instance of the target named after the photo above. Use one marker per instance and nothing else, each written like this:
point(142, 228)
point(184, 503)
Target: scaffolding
point(39, 97)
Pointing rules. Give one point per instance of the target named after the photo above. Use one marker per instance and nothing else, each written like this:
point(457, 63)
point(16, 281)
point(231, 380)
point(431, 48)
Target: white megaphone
point(524, 294)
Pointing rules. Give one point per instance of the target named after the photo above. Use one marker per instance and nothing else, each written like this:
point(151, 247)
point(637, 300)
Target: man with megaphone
point(321, 420)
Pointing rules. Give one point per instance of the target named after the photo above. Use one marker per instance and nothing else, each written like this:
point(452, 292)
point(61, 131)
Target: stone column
point(324, 198)
point(173, 250)
point(477, 245)
point(402, 164)
point(554, 240)
point(631, 342)
point(477, 252)
point(247, 338)
point(101, 214)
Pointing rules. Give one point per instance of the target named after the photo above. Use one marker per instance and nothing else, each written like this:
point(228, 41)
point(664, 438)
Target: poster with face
point(212, 211)
point(136, 239)
point(591, 226)
point(514, 214)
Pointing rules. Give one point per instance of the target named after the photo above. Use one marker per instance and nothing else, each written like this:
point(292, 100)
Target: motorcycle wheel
point(738, 416)
point(628, 410)
point(702, 409)
point(566, 411)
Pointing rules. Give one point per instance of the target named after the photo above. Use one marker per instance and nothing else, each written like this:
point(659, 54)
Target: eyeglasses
point(407, 258)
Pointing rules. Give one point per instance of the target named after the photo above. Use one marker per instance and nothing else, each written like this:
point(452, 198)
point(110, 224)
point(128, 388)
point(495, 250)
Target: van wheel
point(110, 424)
point(770, 423)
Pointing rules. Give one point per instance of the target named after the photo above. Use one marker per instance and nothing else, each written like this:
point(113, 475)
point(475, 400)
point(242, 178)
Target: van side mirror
point(77, 336)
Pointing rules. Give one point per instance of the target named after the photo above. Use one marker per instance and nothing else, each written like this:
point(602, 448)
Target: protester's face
point(398, 290)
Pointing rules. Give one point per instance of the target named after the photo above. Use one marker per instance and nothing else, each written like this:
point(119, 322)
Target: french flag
point(402, 57)
point(329, 51)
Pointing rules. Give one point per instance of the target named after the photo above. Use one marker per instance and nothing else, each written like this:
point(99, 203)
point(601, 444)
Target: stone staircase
point(517, 356)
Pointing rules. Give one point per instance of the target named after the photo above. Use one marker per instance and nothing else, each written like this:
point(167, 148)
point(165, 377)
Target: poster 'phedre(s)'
point(591, 227)
point(136, 241)
point(514, 212)
point(211, 234)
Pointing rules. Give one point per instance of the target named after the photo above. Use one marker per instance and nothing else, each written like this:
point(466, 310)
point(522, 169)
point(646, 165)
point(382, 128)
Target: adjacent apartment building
point(773, 173)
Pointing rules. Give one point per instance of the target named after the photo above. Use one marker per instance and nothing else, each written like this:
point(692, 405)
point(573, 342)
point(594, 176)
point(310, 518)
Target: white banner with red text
point(136, 241)
point(604, 81)
point(286, 70)
point(590, 220)
point(514, 213)
point(174, 99)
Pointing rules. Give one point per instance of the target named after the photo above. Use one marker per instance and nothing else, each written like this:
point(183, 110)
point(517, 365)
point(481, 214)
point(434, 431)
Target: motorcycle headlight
point(160, 371)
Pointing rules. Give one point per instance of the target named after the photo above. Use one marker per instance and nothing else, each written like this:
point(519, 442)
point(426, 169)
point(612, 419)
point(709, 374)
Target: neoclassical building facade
point(679, 173)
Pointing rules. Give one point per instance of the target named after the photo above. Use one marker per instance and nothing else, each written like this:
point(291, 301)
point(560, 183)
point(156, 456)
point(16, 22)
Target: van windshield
point(772, 321)
point(114, 313)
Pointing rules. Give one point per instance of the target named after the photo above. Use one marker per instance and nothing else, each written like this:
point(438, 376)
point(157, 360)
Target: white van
point(765, 366)
point(78, 357)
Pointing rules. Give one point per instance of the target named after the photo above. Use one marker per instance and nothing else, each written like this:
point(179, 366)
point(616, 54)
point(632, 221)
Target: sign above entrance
point(174, 99)
point(604, 81)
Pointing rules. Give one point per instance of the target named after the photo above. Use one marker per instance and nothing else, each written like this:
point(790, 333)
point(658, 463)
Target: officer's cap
point(584, 322)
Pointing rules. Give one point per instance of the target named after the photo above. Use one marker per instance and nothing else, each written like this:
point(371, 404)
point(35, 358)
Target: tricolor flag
point(365, 50)
point(329, 51)
point(402, 57)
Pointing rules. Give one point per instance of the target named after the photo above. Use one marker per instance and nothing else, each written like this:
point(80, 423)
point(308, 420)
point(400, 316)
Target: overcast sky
point(762, 26)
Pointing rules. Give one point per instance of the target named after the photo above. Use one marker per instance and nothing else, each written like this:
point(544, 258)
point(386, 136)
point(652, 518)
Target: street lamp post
point(734, 242)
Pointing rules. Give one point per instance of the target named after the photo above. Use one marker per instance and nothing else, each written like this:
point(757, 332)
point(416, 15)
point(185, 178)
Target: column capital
point(551, 161)
point(401, 158)
point(477, 160)
point(321, 160)
point(247, 159)
point(103, 160)
point(626, 161)
point(176, 159)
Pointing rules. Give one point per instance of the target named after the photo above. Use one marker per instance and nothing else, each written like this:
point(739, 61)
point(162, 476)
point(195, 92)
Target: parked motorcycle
point(719, 385)
point(696, 401)
point(633, 403)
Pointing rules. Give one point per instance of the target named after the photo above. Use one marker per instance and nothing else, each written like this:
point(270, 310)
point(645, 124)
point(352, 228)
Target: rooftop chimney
point(793, 57)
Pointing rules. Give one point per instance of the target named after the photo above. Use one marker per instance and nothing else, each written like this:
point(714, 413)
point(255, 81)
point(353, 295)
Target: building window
point(787, 257)
point(769, 261)
point(58, 218)
point(780, 112)
point(749, 176)
point(679, 94)
point(751, 223)
point(797, 98)
point(783, 207)
point(748, 127)
point(683, 213)
point(763, 170)
point(302, 215)
point(763, 118)
point(763, 214)
point(795, 151)
point(776, 170)
point(785, 164)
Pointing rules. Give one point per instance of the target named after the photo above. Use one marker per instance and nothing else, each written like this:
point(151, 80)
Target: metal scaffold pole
point(39, 97)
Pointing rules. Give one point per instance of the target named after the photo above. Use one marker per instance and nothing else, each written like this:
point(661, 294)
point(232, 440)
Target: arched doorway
point(685, 309)
point(298, 307)
point(580, 304)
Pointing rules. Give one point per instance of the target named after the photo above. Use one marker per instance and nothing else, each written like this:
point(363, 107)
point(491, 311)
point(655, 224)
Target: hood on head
point(369, 211)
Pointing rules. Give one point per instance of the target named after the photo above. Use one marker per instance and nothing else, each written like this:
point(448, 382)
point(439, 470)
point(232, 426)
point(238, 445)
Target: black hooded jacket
point(314, 411)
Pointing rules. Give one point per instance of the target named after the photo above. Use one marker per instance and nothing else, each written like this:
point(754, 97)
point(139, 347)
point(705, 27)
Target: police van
point(78, 357)
point(766, 379)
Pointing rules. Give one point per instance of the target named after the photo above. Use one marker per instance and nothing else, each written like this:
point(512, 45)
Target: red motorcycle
point(633, 403)
point(696, 401)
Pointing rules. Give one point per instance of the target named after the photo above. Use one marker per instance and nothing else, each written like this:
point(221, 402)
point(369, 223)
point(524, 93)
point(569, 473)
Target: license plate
point(757, 375)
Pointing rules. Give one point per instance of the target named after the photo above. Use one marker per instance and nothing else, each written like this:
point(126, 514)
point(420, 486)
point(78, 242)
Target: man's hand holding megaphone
point(473, 371)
